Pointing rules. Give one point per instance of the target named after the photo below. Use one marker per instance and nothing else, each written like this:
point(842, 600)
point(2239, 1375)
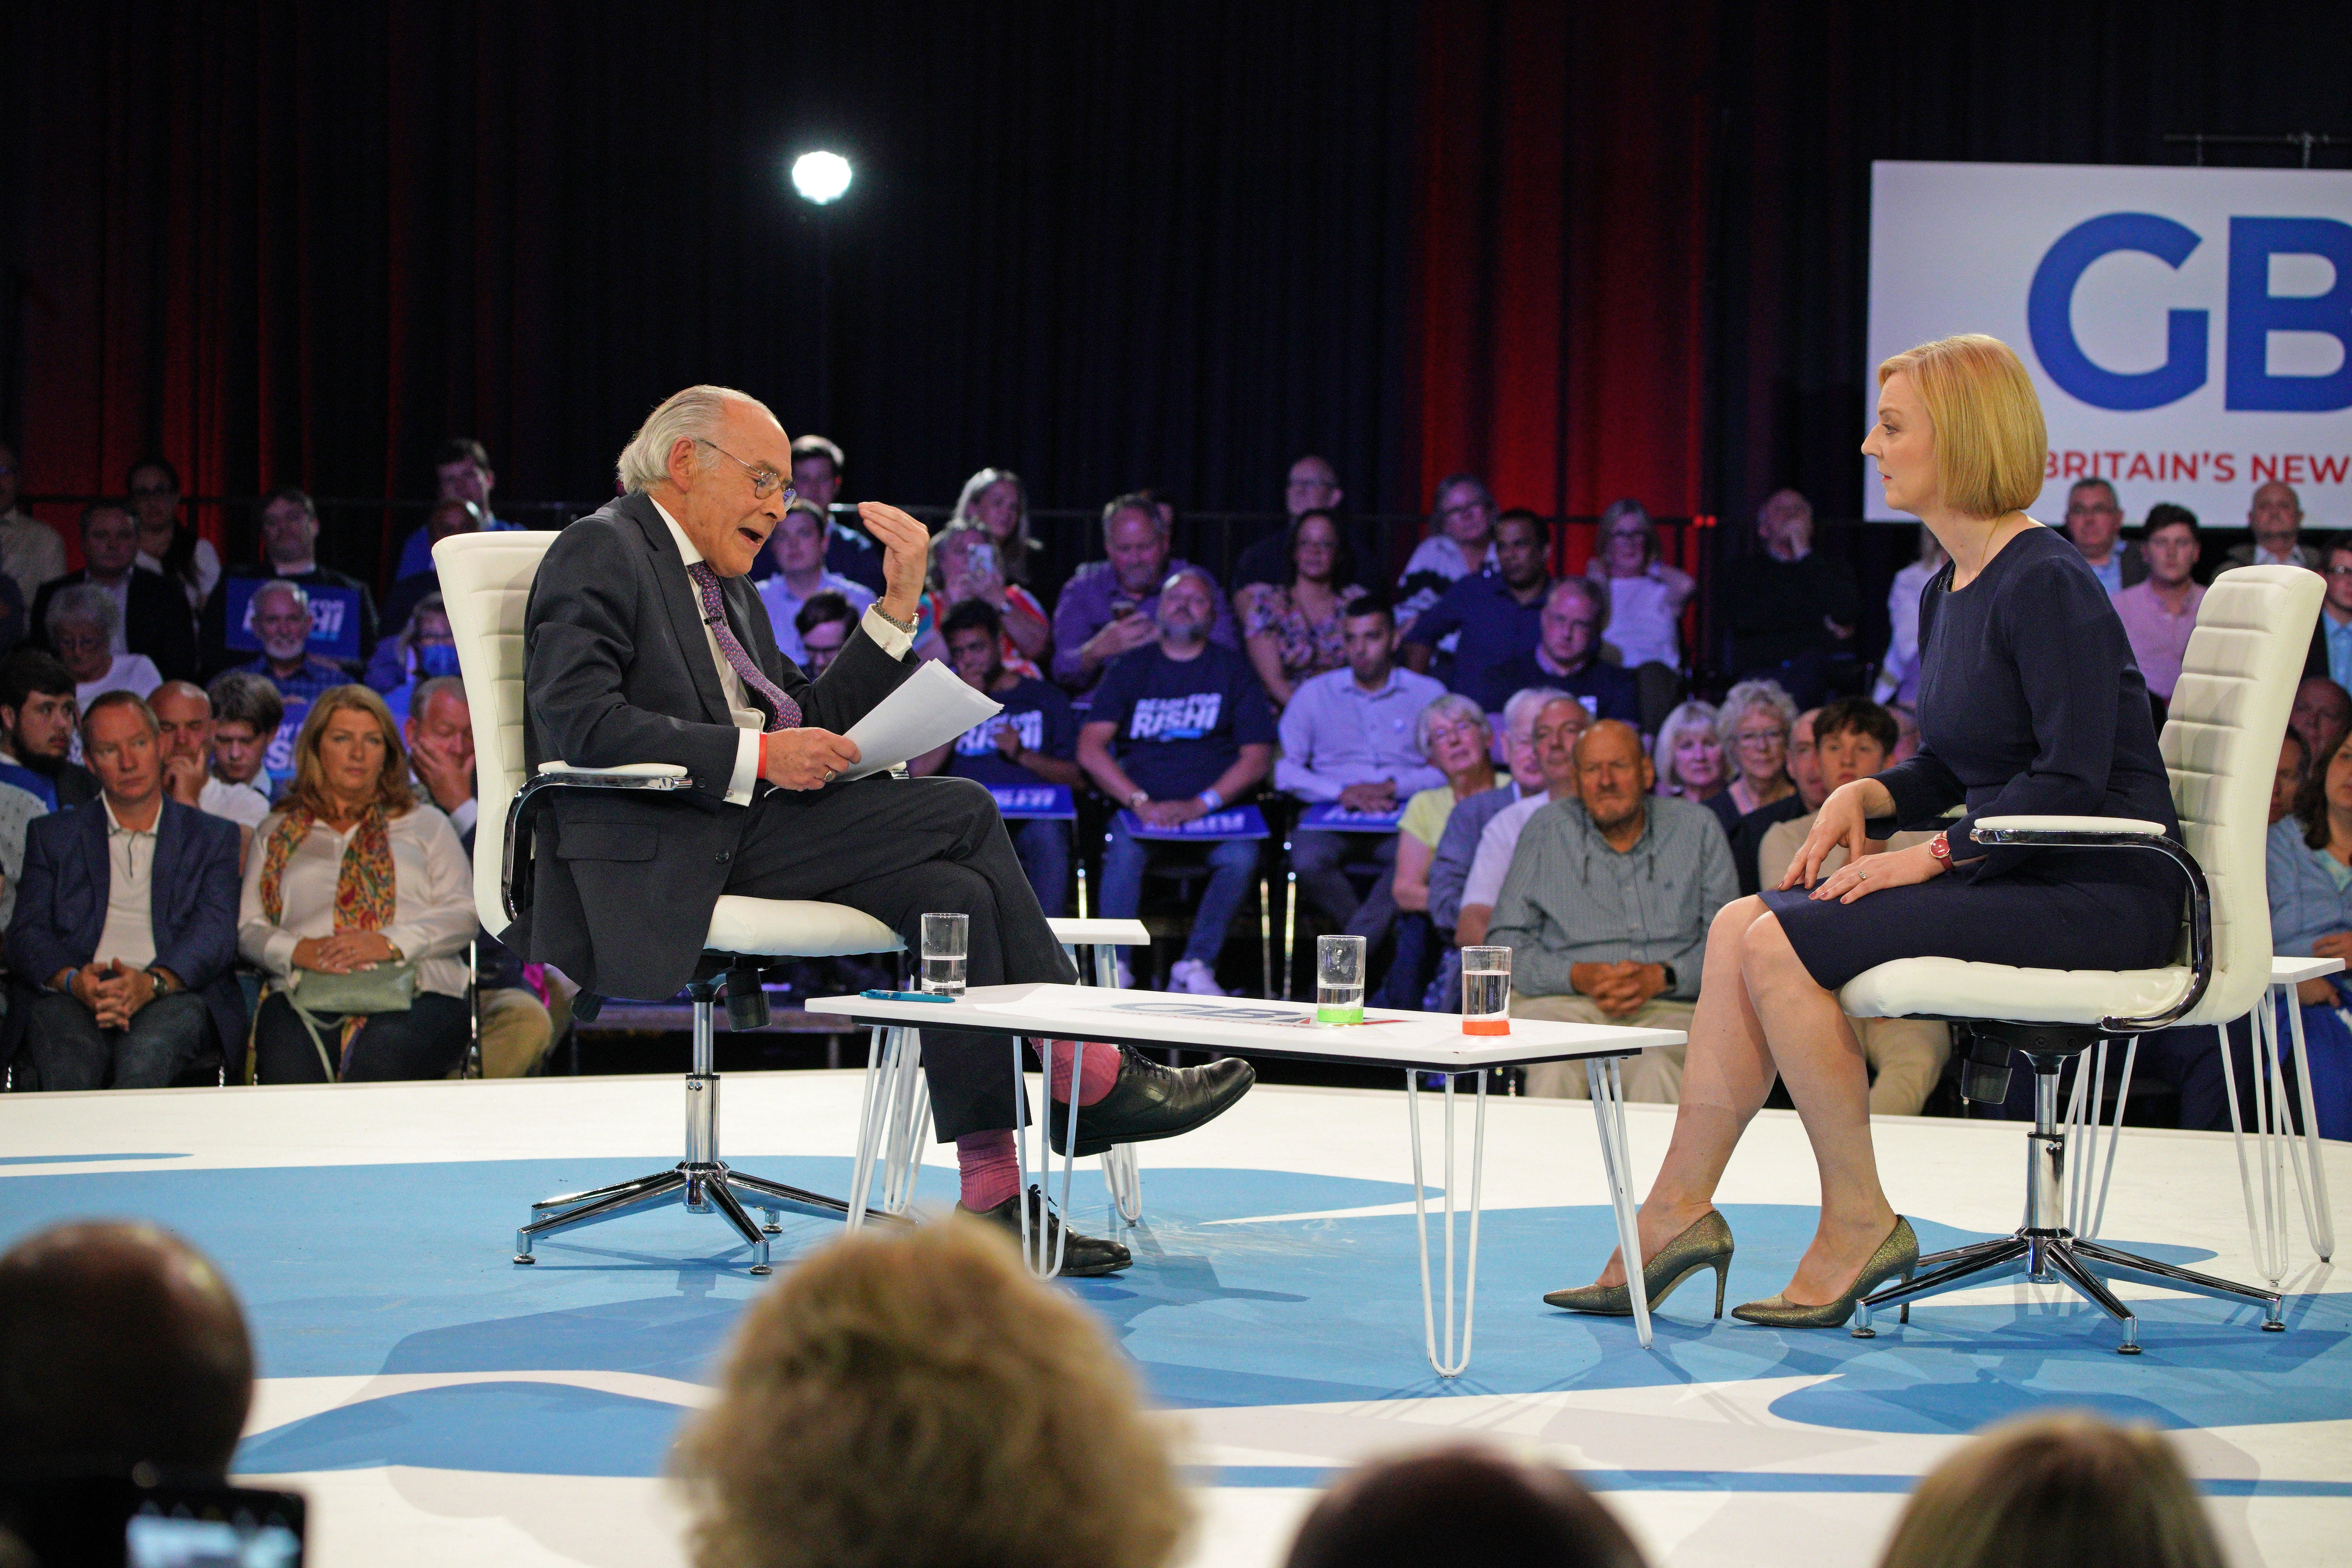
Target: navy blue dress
point(2030, 704)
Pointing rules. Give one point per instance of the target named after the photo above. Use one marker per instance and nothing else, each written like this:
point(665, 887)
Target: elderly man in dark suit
point(126, 921)
point(646, 642)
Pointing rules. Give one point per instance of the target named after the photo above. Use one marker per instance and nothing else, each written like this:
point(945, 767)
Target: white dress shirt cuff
point(747, 767)
point(468, 811)
point(888, 637)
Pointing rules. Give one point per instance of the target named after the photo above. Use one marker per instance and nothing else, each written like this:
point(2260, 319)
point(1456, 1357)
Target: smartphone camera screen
point(258, 1535)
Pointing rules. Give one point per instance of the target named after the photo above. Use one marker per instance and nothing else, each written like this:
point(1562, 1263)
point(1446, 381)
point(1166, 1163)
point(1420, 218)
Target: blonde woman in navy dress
point(2028, 703)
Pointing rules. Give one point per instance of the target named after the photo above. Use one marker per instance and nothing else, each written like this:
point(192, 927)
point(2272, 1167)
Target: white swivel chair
point(486, 584)
point(2221, 745)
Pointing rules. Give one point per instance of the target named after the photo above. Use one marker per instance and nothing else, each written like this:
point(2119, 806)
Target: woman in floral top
point(1293, 631)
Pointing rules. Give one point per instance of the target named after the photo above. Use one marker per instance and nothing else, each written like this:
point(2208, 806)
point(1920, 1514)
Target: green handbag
point(319, 996)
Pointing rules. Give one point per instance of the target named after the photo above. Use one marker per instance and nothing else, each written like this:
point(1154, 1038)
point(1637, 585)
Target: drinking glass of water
point(1486, 990)
point(1339, 980)
point(945, 941)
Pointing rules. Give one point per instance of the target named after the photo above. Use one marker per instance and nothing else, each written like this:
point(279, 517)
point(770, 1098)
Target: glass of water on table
point(945, 940)
point(1339, 980)
point(1486, 990)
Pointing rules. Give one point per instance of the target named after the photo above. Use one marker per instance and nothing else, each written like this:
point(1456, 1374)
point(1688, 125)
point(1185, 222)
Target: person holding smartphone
point(967, 568)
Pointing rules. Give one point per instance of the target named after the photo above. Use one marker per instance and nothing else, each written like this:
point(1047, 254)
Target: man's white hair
point(293, 591)
point(697, 414)
point(1526, 701)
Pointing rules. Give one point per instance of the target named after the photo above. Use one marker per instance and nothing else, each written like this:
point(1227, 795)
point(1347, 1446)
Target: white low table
point(1414, 1042)
point(2277, 1153)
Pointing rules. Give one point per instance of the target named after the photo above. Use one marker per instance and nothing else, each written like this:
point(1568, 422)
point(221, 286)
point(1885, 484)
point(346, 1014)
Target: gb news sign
point(2190, 330)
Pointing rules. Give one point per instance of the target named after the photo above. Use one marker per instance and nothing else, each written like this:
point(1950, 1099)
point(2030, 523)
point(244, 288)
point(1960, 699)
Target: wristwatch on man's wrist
point(165, 981)
point(1138, 800)
point(906, 626)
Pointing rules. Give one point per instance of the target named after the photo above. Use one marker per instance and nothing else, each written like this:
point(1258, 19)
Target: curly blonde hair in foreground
point(2067, 1487)
point(917, 1401)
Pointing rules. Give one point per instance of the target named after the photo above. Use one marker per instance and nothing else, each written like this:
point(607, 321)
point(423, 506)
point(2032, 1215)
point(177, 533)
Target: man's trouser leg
point(1653, 1077)
point(1044, 847)
point(1231, 866)
point(162, 1041)
point(515, 1031)
point(68, 1048)
point(900, 849)
point(1906, 1059)
point(1124, 857)
point(1377, 911)
point(1316, 858)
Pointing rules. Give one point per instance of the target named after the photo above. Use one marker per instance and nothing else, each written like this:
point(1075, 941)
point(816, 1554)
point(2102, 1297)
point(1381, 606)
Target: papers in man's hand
point(929, 709)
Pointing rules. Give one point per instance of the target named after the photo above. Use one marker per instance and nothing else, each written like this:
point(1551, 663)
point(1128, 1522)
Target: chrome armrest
point(2124, 833)
point(659, 777)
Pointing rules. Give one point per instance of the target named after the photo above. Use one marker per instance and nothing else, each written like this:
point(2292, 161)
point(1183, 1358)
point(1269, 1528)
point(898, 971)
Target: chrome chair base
point(703, 1182)
point(2045, 1251)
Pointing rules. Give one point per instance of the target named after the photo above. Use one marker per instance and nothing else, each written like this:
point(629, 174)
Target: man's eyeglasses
point(2339, 571)
point(765, 480)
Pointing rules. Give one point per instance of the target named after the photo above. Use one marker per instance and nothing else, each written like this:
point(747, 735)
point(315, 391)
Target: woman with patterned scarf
point(354, 870)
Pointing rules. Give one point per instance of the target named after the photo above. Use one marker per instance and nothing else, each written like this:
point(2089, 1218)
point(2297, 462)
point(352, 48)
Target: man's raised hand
point(905, 556)
point(808, 758)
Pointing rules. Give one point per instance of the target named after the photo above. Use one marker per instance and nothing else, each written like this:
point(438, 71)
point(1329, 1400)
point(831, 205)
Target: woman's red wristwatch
point(1940, 847)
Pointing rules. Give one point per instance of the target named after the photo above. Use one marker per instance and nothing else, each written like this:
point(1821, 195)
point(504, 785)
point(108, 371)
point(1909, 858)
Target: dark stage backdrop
point(1593, 250)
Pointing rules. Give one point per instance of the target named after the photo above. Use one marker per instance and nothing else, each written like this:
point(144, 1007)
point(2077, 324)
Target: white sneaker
point(1193, 977)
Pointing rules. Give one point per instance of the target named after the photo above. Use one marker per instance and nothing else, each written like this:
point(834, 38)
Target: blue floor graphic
point(359, 1271)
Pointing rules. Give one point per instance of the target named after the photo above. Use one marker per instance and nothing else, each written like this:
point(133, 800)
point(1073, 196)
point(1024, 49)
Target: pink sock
point(1101, 1071)
point(990, 1172)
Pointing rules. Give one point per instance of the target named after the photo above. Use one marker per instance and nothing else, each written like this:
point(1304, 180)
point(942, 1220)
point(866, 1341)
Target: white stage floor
point(440, 1405)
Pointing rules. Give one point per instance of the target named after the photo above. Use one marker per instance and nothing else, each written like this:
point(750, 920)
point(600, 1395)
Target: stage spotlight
point(821, 177)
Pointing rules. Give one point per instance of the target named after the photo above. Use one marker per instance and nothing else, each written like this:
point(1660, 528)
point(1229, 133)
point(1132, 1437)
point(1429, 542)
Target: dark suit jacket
point(61, 902)
point(158, 624)
point(618, 669)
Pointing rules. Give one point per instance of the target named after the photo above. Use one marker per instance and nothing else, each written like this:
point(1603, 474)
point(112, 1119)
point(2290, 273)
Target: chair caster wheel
point(2273, 1328)
point(2127, 1349)
point(759, 1268)
point(772, 1228)
point(524, 1258)
point(1865, 1334)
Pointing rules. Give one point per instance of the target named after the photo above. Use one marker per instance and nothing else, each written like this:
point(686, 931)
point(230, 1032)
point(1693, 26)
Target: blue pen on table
point(906, 996)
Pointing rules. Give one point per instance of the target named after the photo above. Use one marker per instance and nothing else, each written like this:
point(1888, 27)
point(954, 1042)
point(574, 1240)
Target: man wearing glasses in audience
point(2093, 518)
point(2335, 612)
point(1567, 655)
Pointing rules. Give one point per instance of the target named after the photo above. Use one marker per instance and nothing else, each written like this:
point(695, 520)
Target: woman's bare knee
point(1766, 956)
point(1726, 935)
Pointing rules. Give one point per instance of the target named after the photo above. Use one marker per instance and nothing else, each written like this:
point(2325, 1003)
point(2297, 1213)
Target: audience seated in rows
point(1792, 612)
point(448, 520)
point(31, 552)
point(849, 552)
point(82, 621)
point(1687, 757)
point(426, 648)
point(168, 546)
point(1567, 653)
point(825, 624)
point(2275, 517)
point(2056, 1487)
point(247, 717)
point(966, 569)
point(2095, 519)
point(2322, 715)
point(1746, 834)
point(2293, 767)
point(151, 615)
point(282, 622)
point(1350, 738)
point(2160, 610)
point(1461, 541)
point(1462, 1505)
point(183, 746)
point(2336, 612)
point(1606, 910)
point(461, 474)
point(123, 1352)
point(1491, 619)
point(1178, 729)
point(916, 1400)
point(1645, 595)
point(1311, 484)
point(1752, 727)
point(1853, 739)
point(1560, 722)
point(37, 730)
point(350, 872)
point(1292, 629)
point(1033, 742)
point(1457, 847)
point(1451, 732)
point(996, 500)
point(1110, 606)
point(290, 545)
point(1899, 673)
point(125, 924)
point(797, 550)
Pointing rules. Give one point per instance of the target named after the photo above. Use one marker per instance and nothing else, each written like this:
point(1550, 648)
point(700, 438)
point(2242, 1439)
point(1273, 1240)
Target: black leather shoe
point(1153, 1101)
point(1083, 1257)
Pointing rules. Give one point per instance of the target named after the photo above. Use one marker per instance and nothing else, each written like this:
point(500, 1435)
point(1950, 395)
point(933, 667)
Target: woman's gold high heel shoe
point(1897, 1256)
point(1707, 1244)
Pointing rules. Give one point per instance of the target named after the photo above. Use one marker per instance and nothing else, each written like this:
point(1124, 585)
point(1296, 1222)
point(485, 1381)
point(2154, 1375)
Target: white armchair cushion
point(1954, 988)
point(795, 928)
point(632, 770)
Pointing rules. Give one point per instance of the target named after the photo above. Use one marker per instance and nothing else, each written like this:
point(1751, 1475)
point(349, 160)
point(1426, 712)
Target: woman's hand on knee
point(1841, 823)
point(1872, 872)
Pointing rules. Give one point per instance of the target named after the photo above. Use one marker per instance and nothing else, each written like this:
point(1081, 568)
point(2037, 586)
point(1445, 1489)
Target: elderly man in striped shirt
point(1606, 910)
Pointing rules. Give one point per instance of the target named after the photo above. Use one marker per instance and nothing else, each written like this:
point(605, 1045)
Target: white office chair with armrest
point(486, 584)
point(2221, 745)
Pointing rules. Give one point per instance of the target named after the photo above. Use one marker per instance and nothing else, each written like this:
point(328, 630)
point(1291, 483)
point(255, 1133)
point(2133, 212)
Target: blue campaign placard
point(334, 618)
point(1330, 817)
point(1232, 822)
point(1030, 802)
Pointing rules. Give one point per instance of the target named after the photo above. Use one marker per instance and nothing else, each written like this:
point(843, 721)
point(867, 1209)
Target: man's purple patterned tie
point(783, 714)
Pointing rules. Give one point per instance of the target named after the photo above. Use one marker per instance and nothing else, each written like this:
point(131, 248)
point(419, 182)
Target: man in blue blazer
point(126, 921)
